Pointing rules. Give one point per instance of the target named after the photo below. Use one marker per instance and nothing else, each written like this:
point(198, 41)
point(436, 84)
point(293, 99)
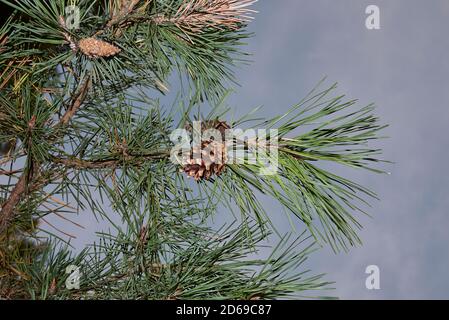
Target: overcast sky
point(404, 69)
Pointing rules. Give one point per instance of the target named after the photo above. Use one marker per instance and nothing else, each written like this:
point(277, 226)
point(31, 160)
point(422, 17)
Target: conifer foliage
point(82, 132)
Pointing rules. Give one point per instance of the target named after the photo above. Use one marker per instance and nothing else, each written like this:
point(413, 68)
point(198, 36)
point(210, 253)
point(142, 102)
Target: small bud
point(94, 48)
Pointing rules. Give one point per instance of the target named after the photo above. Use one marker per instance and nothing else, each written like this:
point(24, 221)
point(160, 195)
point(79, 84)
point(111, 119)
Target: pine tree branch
point(192, 15)
point(162, 247)
point(27, 178)
point(17, 194)
point(77, 163)
point(8, 172)
point(77, 102)
point(123, 9)
point(196, 15)
point(20, 189)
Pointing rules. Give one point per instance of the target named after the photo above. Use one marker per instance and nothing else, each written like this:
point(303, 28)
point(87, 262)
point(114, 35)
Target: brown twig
point(26, 180)
point(77, 102)
point(20, 189)
point(8, 173)
point(76, 163)
point(17, 194)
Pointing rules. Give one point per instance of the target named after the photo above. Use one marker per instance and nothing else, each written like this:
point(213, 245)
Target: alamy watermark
point(72, 17)
point(372, 282)
point(73, 280)
point(372, 21)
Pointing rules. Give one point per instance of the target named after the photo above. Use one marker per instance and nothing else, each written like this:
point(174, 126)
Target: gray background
point(404, 69)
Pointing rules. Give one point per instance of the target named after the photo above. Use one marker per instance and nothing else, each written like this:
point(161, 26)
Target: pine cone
point(210, 158)
point(94, 48)
point(221, 126)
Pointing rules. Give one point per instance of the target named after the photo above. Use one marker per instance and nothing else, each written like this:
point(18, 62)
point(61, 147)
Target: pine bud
point(94, 48)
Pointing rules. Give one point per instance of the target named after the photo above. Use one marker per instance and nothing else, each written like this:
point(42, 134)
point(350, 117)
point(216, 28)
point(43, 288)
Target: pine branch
point(8, 172)
point(196, 15)
point(132, 159)
point(77, 102)
point(18, 193)
point(161, 245)
point(21, 188)
point(120, 9)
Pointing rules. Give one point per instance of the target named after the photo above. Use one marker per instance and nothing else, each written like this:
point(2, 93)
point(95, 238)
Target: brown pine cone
point(210, 158)
point(94, 48)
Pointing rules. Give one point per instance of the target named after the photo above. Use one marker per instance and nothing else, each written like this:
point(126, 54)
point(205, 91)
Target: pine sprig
point(213, 265)
point(86, 136)
point(136, 46)
point(333, 132)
